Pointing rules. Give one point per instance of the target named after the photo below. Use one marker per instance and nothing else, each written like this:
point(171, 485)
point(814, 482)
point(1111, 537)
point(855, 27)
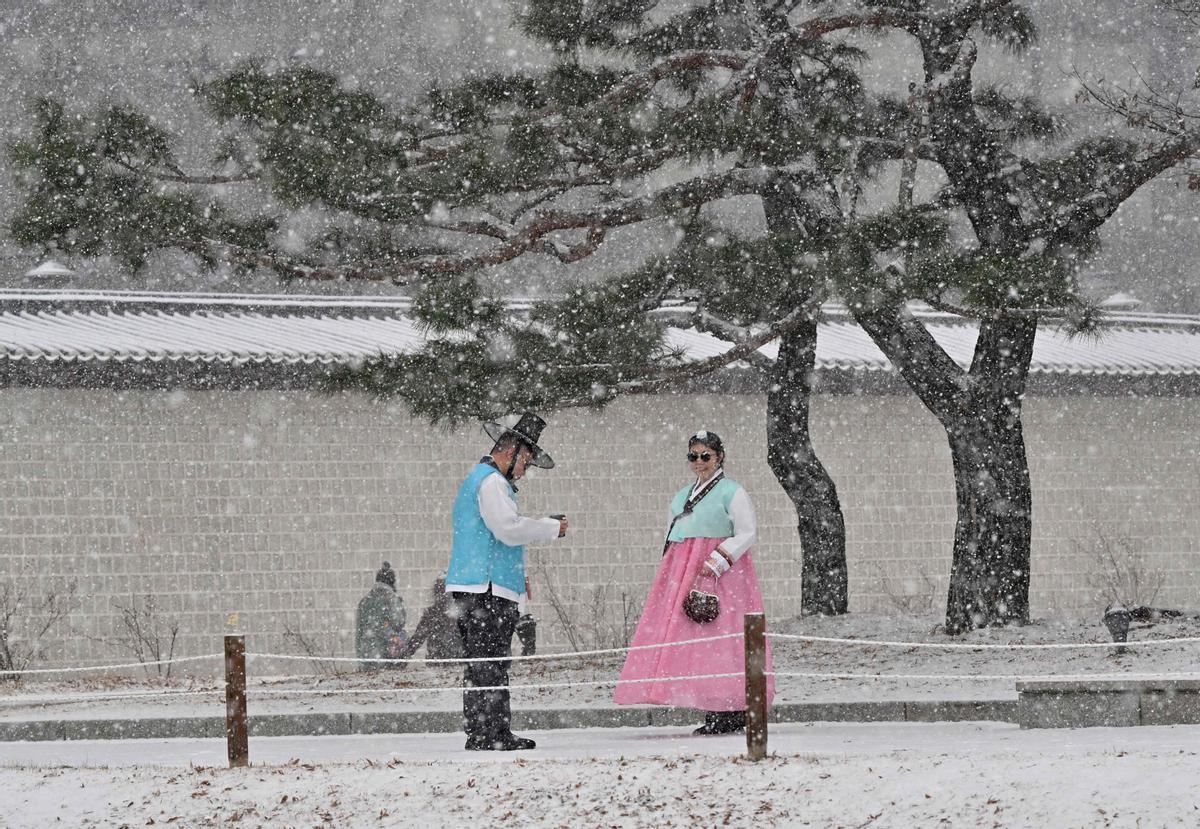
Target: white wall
point(280, 506)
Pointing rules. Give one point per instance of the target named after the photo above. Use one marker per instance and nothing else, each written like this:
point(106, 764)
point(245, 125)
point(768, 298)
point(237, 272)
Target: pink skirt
point(663, 620)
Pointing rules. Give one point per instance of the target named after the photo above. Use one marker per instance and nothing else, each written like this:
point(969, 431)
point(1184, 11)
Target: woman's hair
point(706, 438)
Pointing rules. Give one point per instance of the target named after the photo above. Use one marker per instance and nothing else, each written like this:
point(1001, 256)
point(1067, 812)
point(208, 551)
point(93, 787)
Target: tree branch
point(745, 348)
point(643, 82)
point(1087, 214)
point(179, 177)
point(680, 373)
point(991, 313)
point(532, 236)
point(916, 355)
point(880, 17)
point(725, 330)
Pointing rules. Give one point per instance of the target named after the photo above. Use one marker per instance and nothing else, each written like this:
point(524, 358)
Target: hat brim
point(541, 458)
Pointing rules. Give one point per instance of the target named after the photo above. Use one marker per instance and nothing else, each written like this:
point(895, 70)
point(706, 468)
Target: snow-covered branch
point(532, 236)
point(742, 351)
point(178, 176)
point(878, 17)
point(1088, 213)
point(709, 323)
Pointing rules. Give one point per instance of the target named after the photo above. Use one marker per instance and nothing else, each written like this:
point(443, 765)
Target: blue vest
point(477, 556)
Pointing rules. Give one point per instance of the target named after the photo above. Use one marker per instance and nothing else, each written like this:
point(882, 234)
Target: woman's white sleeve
point(745, 525)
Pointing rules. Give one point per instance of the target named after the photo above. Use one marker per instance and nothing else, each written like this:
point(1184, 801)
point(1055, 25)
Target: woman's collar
point(699, 485)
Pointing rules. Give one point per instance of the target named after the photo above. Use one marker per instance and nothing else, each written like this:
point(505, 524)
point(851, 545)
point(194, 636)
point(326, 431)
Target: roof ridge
point(69, 297)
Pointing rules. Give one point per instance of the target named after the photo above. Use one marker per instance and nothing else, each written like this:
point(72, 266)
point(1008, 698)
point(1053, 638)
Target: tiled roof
point(227, 337)
point(1133, 347)
point(233, 329)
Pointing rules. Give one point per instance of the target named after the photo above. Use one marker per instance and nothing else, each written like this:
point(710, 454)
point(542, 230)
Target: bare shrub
point(25, 621)
point(594, 618)
point(308, 645)
point(910, 596)
point(146, 633)
point(1121, 573)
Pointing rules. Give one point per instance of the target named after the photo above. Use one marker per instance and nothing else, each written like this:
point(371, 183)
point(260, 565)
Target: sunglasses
point(701, 456)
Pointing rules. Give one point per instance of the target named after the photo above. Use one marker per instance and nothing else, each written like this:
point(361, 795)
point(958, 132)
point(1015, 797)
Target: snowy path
point(810, 739)
point(852, 775)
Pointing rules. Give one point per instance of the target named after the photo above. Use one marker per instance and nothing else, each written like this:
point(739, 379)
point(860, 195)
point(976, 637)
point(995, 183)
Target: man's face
point(524, 456)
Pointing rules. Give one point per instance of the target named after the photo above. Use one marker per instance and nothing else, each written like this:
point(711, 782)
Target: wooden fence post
point(756, 685)
point(236, 734)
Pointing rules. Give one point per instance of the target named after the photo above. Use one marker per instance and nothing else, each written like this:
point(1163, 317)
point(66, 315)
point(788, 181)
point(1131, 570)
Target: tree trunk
point(989, 577)
point(980, 410)
point(800, 472)
point(794, 213)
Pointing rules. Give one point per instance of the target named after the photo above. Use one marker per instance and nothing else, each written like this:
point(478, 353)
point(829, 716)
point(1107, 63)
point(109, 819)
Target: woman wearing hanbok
point(708, 550)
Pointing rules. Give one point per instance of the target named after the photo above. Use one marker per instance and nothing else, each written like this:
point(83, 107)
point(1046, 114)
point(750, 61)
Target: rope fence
point(882, 643)
point(4, 672)
point(463, 660)
point(1144, 643)
point(989, 677)
point(593, 683)
point(754, 635)
point(105, 696)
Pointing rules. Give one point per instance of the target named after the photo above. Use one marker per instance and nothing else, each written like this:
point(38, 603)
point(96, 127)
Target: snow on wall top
point(236, 329)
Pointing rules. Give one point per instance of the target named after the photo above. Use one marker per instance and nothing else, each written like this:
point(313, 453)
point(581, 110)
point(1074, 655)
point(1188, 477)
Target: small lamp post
point(1116, 619)
point(49, 274)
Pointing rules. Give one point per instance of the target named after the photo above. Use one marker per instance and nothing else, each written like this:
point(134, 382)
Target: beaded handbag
point(701, 607)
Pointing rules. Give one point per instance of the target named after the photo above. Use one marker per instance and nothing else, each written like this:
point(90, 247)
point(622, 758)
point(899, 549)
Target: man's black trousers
point(486, 623)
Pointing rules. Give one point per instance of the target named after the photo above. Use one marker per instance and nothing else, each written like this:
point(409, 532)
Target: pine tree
point(660, 120)
point(1035, 215)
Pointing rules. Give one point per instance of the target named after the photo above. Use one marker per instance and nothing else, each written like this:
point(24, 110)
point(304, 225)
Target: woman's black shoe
point(722, 722)
point(503, 742)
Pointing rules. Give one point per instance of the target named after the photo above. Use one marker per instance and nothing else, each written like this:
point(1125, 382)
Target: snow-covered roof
point(1128, 346)
point(239, 329)
point(234, 329)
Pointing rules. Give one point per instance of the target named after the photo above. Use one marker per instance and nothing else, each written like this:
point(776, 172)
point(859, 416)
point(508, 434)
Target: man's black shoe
point(722, 722)
point(502, 742)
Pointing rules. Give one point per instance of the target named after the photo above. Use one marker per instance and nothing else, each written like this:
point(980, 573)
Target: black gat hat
point(528, 430)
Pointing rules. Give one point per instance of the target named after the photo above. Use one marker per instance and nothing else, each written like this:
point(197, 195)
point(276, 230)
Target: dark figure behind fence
point(437, 629)
point(527, 634)
point(379, 628)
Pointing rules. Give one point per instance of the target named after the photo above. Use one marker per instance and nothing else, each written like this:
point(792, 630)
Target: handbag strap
point(690, 504)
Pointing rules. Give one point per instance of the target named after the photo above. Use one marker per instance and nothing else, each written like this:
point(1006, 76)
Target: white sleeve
point(745, 525)
point(500, 514)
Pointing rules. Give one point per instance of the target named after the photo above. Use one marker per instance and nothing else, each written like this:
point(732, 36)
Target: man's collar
point(488, 460)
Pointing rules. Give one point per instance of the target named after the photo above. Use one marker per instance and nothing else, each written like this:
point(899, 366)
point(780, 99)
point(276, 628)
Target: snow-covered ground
point(822, 775)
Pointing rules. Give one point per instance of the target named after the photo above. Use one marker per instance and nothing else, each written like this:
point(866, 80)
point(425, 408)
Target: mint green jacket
point(710, 518)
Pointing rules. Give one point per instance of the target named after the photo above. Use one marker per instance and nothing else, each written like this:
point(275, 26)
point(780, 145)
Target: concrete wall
point(280, 506)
